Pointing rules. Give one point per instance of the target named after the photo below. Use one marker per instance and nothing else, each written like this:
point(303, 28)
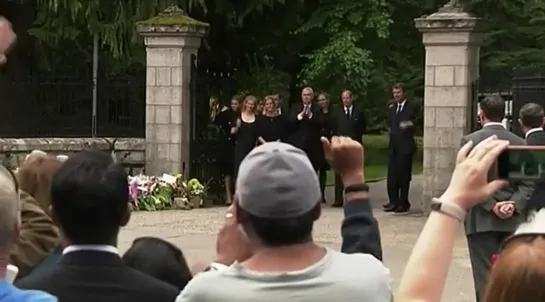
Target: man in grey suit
point(489, 223)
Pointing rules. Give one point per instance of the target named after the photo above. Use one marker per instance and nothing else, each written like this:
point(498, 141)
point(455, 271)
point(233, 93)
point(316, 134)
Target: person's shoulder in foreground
point(337, 277)
point(119, 282)
point(9, 293)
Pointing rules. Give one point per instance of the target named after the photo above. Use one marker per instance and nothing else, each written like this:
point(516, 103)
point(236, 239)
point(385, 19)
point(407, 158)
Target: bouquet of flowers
point(195, 188)
point(148, 193)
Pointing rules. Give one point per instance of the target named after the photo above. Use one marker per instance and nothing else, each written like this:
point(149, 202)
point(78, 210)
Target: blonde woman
point(245, 130)
point(271, 124)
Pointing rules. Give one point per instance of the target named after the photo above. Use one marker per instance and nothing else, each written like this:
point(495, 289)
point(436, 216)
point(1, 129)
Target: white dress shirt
point(494, 124)
point(348, 110)
point(90, 247)
point(400, 106)
point(300, 115)
point(532, 131)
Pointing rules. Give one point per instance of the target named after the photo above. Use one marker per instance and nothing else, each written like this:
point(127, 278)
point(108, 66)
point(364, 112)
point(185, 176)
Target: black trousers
point(339, 190)
point(400, 167)
point(322, 177)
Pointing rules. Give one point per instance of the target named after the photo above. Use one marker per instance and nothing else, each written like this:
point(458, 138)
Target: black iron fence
point(206, 142)
point(62, 106)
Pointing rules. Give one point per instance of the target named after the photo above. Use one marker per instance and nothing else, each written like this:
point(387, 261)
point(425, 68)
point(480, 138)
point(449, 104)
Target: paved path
point(195, 232)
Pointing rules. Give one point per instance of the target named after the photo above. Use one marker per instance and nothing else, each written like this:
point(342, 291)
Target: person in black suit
point(89, 203)
point(226, 121)
point(327, 122)
point(350, 121)
point(401, 150)
point(281, 107)
point(304, 127)
point(531, 118)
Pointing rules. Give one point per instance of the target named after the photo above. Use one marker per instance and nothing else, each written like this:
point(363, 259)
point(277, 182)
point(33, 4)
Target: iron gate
point(206, 143)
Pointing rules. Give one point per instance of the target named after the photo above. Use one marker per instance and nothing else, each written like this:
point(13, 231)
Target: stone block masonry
point(452, 39)
point(171, 39)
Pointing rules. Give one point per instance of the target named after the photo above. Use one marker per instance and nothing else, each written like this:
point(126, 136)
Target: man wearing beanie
point(276, 205)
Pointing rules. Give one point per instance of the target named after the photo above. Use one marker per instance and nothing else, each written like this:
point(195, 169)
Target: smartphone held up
point(524, 163)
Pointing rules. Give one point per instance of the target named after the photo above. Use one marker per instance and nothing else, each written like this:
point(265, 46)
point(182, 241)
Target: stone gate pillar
point(452, 39)
point(171, 38)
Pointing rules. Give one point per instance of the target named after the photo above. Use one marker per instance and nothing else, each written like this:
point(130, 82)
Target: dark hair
point(399, 86)
point(160, 259)
point(279, 232)
point(519, 272)
point(89, 196)
point(237, 98)
point(325, 94)
point(493, 108)
point(531, 115)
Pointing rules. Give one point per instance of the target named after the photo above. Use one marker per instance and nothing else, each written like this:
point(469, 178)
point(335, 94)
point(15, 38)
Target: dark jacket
point(537, 200)
point(359, 229)
point(305, 133)
point(402, 139)
point(89, 276)
point(353, 127)
point(38, 237)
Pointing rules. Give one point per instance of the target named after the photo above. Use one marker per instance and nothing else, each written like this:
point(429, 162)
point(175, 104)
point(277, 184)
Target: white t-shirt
point(337, 277)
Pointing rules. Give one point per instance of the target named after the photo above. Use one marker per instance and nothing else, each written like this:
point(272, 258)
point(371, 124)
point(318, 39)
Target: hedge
point(376, 149)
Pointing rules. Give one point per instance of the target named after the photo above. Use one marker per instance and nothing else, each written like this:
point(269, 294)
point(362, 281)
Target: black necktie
point(399, 107)
point(347, 113)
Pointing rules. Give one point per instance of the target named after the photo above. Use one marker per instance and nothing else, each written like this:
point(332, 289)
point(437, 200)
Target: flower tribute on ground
point(151, 193)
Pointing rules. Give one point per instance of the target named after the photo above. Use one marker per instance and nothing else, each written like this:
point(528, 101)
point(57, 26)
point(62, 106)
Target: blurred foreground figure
point(284, 263)
point(7, 38)
point(517, 274)
point(10, 226)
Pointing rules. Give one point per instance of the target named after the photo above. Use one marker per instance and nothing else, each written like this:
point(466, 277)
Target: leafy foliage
point(342, 61)
point(279, 45)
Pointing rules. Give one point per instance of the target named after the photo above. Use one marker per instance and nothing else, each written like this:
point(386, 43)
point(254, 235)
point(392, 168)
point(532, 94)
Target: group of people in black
point(249, 122)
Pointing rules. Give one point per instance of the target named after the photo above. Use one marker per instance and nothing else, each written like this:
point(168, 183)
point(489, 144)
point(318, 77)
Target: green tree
point(341, 60)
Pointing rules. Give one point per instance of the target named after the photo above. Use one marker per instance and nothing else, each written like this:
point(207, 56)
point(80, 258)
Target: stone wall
point(128, 151)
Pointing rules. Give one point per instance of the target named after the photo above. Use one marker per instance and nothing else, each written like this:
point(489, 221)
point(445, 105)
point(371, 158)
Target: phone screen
point(522, 163)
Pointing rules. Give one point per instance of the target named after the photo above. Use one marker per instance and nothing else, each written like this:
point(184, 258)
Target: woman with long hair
point(327, 122)
point(271, 124)
point(226, 121)
point(245, 129)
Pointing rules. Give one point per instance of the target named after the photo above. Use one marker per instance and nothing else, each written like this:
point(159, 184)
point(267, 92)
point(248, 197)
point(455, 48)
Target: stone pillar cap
point(173, 21)
point(450, 17)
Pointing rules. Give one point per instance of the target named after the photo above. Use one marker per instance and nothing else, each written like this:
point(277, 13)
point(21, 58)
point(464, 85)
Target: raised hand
point(469, 184)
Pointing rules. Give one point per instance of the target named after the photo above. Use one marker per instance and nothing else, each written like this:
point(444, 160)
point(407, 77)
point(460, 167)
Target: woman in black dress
point(271, 124)
point(226, 121)
point(246, 131)
point(327, 122)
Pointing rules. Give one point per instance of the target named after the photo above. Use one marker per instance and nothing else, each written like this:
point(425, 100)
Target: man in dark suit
point(489, 223)
point(401, 150)
point(350, 121)
point(531, 118)
point(304, 128)
point(89, 203)
point(281, 107)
